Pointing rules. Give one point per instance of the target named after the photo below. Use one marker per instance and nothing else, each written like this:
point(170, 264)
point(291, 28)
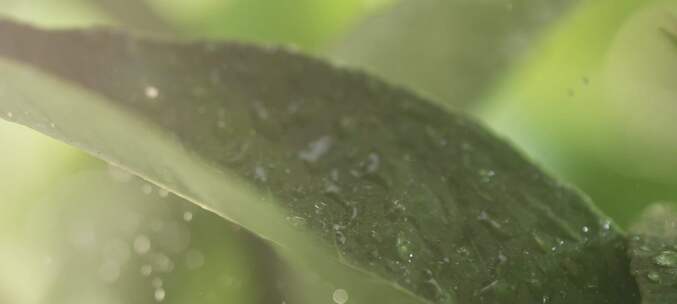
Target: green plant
point(370, 186)
point(361, 192)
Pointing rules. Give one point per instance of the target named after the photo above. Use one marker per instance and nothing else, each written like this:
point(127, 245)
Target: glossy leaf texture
point(452, 50)
point(653, 249)
point(378, 191)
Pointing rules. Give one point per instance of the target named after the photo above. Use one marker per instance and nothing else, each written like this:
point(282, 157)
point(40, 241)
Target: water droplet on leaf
point(666, 259)
point(151, 92)
point(159, 294)
point(654, 277)
point(316, 149)
point(187, 216)
point(340, 296)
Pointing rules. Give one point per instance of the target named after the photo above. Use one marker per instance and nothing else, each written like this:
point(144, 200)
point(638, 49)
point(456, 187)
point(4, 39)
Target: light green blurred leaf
point(452, 50)
point(374, 190)
point(307, 24)
point(595, 101)
point(653, 249)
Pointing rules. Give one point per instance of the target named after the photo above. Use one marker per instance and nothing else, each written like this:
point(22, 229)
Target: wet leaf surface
point(403, 200)
point(653, 249)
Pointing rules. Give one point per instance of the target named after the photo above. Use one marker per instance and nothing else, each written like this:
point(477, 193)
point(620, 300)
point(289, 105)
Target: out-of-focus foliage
point(596, 103)
point(104, 236)
point(309, 24)
point(56, 13)
point(452, 50)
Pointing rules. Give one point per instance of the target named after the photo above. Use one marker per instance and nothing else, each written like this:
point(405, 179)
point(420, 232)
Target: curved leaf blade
point(399, 192)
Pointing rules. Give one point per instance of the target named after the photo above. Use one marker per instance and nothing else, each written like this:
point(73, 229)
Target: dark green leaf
point(382, 193)
point(653, 249)
point(452, 50)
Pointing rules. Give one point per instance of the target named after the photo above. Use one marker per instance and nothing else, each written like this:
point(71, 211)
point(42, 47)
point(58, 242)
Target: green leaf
point(653, 249)
point(377, 191)
point(452, 50)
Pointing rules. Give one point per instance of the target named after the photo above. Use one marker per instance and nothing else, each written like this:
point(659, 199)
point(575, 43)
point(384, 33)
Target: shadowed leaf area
point(391, 184)
point(653, 249)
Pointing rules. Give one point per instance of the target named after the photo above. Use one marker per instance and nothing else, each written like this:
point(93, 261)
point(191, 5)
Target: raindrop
point(666, 259)
point(332, 188)
point(194, 259)
point(340, 296)
point(52, 125)
point(340, 237)
point(486, 175)
point(373, 162)
point(405, 249)
point(492, 224)
point(585, 229)
point(397, 207)
point(159, 294)
point(319, 207)
point(141, 244)
point(151, 92)
point(316, 149)
point(187, 216)
point(502, 258)
point(653, 277)
point(10, 115)
point(296, 221)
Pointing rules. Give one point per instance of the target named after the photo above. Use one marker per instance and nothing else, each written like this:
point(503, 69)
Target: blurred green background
point(587, 89)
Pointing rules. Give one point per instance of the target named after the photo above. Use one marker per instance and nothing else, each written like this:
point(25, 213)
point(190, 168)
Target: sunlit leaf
point(386, 197)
